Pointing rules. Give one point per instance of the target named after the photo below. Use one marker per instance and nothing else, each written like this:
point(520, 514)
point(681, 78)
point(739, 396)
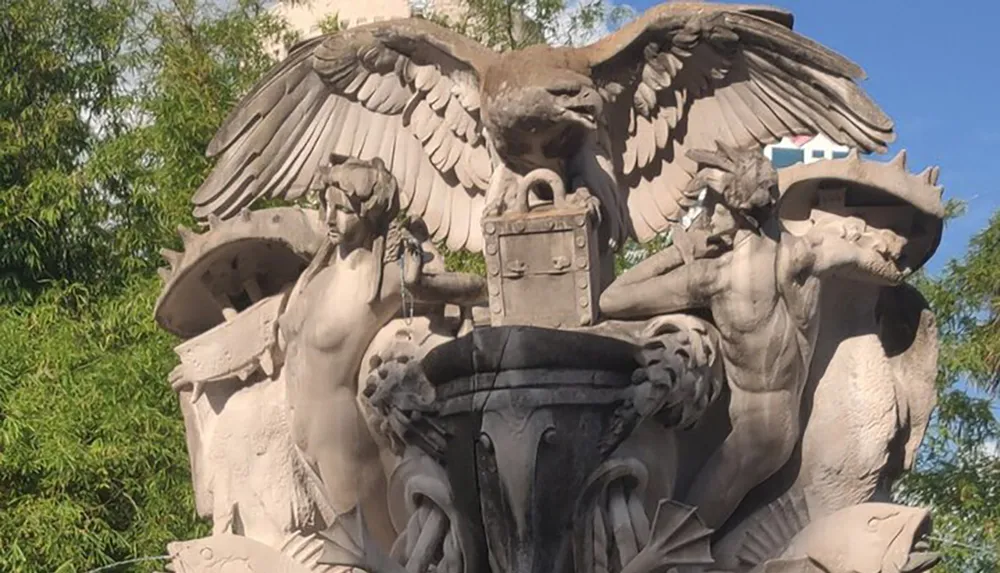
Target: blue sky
point(933, 67)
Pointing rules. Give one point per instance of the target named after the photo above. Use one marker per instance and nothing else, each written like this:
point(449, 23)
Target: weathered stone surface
point(734, 402)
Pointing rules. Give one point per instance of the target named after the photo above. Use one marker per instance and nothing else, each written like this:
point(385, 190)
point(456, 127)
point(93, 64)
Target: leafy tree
point(958, 472)
point(107, 112)
point(330, 24)
point(515, 24)
point(94, 468)
point(59, 101)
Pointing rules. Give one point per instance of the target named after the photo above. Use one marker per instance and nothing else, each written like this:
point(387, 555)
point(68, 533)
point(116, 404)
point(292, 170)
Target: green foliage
point(463, 261)
point(204, 61)
point(958, 473)
point(515, 24)
point(61, 74)
point(967, 298)
point(107, 107)
point(94, 468)
point(632, 253)
point(330, 24)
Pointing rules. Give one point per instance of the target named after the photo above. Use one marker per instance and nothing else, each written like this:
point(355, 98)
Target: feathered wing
point(691, 75)
point(405, 91)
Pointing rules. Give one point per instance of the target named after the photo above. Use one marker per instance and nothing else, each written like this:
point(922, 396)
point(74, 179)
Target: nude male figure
point(762, 286)
point(349, 292)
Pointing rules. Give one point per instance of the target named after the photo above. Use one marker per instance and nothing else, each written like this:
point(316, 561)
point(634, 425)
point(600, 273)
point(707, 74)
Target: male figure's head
point(742, 189)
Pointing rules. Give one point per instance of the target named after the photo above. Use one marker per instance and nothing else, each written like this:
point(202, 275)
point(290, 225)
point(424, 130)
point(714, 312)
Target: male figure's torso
point(765, 315)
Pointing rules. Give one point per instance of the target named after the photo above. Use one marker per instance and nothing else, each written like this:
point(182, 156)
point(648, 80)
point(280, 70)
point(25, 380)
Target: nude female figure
point(352, 288)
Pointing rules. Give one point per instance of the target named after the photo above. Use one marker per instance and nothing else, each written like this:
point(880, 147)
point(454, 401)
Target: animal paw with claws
point(403, 399)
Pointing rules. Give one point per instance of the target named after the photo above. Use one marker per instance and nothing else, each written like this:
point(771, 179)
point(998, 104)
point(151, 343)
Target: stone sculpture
point(764, 295)
point(864, 537)
point(349, 402)
point(352, 288)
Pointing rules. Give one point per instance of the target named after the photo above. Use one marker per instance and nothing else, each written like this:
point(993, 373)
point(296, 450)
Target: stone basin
point(531, 412)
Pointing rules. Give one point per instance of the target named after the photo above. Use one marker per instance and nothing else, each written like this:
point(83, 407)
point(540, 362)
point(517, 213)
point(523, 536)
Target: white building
point(804, 149)
point(305, 16)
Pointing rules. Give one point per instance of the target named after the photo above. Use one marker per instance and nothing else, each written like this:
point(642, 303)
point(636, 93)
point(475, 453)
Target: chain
point(406, 298)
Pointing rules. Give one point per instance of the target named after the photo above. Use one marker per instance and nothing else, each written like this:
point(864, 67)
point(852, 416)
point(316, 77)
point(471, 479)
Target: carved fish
point(229, 554)
point(865, 538)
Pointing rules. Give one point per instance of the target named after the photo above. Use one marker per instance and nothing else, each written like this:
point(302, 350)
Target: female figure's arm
point(463, 289)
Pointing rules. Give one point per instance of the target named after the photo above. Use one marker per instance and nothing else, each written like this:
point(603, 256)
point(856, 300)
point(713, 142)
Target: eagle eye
point(564, 91)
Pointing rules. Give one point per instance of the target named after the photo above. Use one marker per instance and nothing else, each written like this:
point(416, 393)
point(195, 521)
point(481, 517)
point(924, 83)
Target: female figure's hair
point(373, 194)
point(371, 189)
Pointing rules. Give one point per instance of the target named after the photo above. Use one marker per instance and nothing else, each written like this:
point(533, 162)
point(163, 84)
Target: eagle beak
point(583, 107)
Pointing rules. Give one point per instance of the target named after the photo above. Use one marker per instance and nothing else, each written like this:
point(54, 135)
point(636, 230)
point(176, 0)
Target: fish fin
point(800, 565)
point(303, 548)
point(679, 536)
point(773, 527)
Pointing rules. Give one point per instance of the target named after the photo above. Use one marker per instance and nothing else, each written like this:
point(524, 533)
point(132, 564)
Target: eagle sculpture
point(459, 124)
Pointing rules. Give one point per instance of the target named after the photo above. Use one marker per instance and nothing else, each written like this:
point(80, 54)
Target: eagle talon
point(494, 208)
point(582, 197)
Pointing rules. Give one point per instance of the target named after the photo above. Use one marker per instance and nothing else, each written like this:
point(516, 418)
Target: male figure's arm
point(686, 286)
point(687, 248)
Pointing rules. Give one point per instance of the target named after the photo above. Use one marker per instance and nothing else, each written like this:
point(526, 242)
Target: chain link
point(406, 298)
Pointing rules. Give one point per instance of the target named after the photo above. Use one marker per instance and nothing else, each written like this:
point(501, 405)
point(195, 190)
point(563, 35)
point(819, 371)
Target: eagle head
point(539, 104)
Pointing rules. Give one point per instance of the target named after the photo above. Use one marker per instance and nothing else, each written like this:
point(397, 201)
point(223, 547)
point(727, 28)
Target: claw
point(494, 208)
point(853, 228)
point(582, 197)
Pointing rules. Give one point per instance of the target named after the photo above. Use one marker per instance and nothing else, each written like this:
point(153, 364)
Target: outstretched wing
point(405, 91)
point(691, 75)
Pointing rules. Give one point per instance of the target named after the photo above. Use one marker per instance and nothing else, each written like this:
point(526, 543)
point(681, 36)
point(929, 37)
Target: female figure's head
point(360, 199)
point(360, 203)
